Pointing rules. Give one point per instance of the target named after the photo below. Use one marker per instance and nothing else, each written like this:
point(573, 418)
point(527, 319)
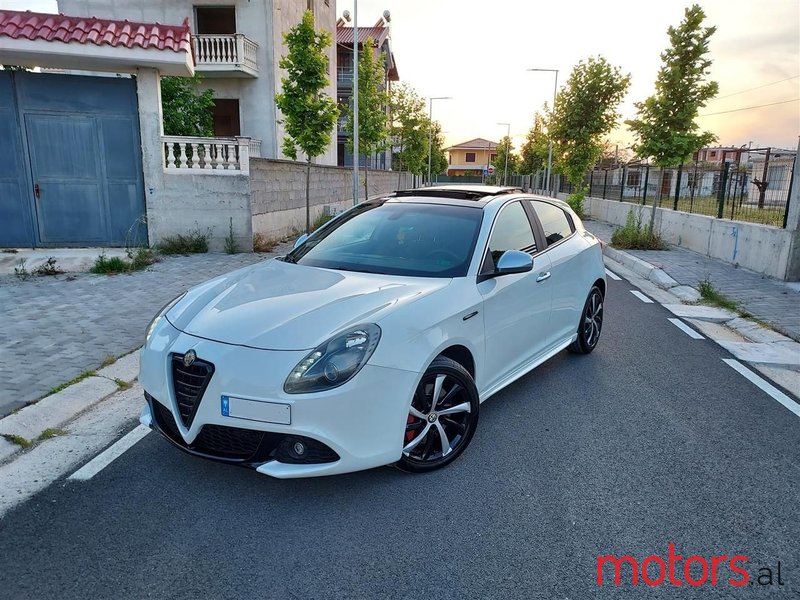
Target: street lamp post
point(430, 130)
point(355, 97)
point(550, 145)
point(507, 150)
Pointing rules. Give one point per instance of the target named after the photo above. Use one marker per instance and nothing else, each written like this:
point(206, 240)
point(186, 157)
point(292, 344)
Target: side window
point(512, 231)
point(554, 221)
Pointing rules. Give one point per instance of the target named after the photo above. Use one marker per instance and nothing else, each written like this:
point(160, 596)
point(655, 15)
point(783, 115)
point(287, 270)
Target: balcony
point(230, 55)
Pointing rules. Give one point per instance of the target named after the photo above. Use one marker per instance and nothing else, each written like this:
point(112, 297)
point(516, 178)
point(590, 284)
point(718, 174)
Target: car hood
point(283, 306)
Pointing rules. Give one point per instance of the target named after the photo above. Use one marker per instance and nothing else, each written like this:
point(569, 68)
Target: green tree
point(438, 151)
point(186, 110)
point(533, 154)
point(373, 100)
point(505, 149)
point(665, 127)
point(309, 114)
point(409, 131)
point(585, 111)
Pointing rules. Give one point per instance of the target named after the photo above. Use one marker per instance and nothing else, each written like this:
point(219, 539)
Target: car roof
point(458, 192)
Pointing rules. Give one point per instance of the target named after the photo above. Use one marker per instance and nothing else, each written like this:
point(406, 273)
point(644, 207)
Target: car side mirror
point(514, 261)
point(299, 241)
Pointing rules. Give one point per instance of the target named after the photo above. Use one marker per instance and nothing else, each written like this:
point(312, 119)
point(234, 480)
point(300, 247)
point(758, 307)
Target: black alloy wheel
point(591, 323)
point(442, 418)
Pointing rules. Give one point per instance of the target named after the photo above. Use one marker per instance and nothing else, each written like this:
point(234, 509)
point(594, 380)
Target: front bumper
point(356, 426)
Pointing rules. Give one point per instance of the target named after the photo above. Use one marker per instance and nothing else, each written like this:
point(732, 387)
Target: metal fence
point(757, 191)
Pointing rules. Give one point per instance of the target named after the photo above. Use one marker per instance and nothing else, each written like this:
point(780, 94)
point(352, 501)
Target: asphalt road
point(648, 441)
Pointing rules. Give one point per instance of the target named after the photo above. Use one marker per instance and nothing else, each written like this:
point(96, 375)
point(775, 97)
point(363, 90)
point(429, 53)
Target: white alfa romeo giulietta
point(375, 340)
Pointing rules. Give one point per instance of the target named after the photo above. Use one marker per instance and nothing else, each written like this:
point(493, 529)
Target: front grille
point(247, 447)
point(189, 383)
point(229, 442)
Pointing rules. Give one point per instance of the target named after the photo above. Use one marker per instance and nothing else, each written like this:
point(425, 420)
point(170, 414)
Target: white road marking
point(117, 449)
point(641, 296)
point(686, 329)
point(613, 275)
point(764, 385)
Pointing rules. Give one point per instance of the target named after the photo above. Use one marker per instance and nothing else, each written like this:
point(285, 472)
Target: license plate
point(256, 410)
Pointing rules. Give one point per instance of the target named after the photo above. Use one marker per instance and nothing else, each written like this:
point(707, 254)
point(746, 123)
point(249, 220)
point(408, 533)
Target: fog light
point(299, 448)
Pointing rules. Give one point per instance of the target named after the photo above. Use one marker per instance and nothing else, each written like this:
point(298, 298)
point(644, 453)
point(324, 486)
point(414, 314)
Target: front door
point(67, 187)
point(516, 308)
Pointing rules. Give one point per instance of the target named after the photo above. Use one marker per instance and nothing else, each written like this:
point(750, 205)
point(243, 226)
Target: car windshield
point(395, 238)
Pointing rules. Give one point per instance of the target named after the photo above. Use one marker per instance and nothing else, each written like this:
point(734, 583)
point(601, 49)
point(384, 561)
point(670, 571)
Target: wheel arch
point(462, 355)
point(601, 283)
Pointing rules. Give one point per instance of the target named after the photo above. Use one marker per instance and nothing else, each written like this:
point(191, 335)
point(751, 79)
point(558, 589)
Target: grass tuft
point(194, 242)
point(635, 236)
point(262, 243)
point(17, 439)
point(51, 432)
point(138, 259)
point(321, 219)
point(108, 361)
point(711, 295)
point(73, 381)
point(123, 385)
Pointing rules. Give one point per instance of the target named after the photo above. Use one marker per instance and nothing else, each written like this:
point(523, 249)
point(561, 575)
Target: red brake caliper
point(409, 434)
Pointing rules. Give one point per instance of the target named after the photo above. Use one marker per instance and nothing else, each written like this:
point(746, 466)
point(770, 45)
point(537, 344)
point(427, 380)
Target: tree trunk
point(657, 201)
point(366, 171)
point(308, 195)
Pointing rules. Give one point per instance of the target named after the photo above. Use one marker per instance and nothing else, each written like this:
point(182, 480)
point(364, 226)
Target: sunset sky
point(478, 52)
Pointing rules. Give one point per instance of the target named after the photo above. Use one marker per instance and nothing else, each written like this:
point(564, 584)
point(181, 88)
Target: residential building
point(237, 47)
point(472, 157)
point(380, 34)
point(720, 154)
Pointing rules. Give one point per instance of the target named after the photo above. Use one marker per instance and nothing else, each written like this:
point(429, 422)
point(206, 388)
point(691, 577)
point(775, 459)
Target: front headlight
point(335, 362)
point(157, 319)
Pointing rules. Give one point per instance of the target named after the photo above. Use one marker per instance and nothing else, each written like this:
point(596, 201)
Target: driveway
point(54, 328)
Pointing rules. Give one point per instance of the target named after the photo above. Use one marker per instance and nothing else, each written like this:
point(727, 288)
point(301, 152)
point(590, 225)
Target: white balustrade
point(220, 51)
point(208, 155)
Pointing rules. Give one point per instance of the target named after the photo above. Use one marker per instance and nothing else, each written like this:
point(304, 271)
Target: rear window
point(555, 222)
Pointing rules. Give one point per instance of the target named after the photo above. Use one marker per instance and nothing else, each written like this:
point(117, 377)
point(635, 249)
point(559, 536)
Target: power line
point(758, 87)
point(722, 112)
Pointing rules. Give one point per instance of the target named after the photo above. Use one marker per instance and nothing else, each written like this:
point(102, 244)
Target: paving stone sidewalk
point(54, 328)
point(772, 301)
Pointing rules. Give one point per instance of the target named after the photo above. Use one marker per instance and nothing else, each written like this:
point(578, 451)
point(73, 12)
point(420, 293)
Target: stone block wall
point(277, 192)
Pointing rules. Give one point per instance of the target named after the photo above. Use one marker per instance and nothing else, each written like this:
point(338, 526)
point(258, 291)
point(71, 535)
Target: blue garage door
point(75, 175)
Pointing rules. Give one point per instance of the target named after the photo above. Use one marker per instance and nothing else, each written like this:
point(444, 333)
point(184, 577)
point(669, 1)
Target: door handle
point(36, 190)
point(543, 275)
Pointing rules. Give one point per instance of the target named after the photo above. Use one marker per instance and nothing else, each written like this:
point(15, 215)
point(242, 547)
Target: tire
point(591, 323)
point(432, 442)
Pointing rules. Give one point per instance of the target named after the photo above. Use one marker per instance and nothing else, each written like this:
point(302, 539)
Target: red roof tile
point(344, 35)
point(477, 144)
point(90, 30)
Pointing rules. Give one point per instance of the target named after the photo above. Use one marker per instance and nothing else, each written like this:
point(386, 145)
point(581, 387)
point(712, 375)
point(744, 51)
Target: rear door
point(516, 308)
point(568, 274)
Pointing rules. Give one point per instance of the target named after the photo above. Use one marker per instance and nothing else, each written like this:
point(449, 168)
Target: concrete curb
point(640, 267)
point(56, 410)
point(770, 352)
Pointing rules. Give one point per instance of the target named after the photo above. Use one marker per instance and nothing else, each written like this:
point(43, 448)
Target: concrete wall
point(760, 248)
point(204, 202)
point(278, 198)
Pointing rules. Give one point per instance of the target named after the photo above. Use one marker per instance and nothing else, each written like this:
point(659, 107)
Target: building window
point(219, 20)
point(492, 157)
point(713, 154)
point(469, 157)
point(634, 178)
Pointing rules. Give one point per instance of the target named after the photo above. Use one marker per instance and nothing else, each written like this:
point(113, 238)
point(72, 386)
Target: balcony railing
point(208, 155)
point(233, 54)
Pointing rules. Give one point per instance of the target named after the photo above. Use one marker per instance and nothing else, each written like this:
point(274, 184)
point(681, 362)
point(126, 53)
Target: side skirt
point(526, 368)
